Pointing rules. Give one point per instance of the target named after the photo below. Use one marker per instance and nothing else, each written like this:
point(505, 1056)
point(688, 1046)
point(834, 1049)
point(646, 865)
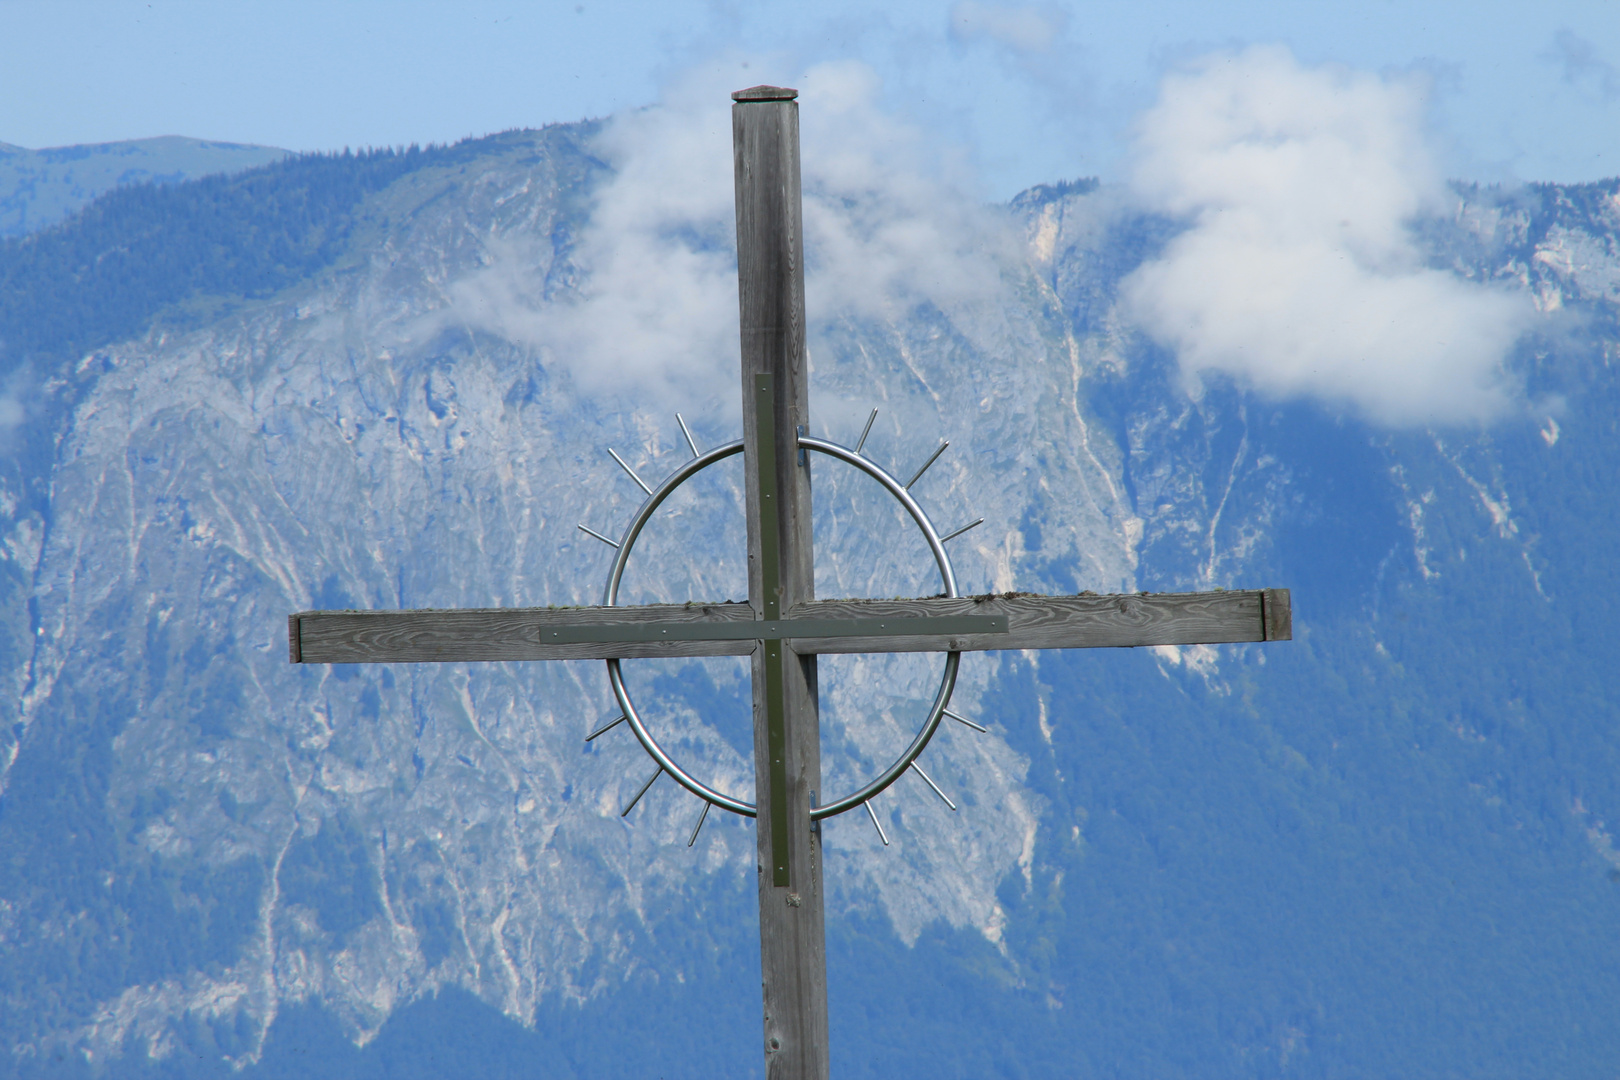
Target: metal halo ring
point(952, 659)
point(610, 597)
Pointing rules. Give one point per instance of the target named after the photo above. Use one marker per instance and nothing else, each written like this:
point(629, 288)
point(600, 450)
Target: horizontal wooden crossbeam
point(967, 624)
point(1071, 622)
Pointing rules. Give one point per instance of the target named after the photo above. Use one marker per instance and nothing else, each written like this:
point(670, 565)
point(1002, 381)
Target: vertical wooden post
point(787, 736)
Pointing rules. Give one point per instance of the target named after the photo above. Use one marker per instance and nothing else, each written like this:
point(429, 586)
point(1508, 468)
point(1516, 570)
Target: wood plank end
point(1278, 614)
point(295, 652)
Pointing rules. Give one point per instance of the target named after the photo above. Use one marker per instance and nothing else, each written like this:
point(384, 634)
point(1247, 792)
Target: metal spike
point(963, 529)
point(947, 712)
point(873, 815)
point(916, 476)
point(867, 430)
point(689, 440)
point(701, 819)
point(631, 805)
point(625, 466)
point(587, 529)
point(605, 728)
point(926, 778)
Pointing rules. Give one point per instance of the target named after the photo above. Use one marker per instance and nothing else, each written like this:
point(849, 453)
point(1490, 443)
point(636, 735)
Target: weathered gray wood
point(770, 294)
point(1279, 615)
point(472, 634)
point(1034, 622)
point(1065, 622)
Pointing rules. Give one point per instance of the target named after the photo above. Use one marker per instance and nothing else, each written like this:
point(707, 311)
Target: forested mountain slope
point(38, 188)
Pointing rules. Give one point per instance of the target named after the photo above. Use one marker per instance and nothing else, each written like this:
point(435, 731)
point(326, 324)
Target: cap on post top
point(766, 93)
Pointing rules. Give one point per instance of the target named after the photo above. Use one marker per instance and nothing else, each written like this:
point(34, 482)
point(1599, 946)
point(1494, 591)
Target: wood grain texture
point(770, 295)
point(501, 634)
point(1060, 622)
point(1034, 622)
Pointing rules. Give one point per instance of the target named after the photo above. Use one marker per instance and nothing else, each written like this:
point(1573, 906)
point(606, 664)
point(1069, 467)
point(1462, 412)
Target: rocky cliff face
point(202, 837)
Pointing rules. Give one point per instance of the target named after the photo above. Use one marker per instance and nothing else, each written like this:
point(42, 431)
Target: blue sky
point(1520, 90)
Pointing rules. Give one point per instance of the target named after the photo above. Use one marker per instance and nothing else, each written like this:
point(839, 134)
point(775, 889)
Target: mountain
point(1384, 848)
point(41, 187)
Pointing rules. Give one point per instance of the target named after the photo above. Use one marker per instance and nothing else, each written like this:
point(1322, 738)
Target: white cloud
point(1299, 273)
point(656, 304)
point(1021, 27)
point(888, 225)
point(14, 398)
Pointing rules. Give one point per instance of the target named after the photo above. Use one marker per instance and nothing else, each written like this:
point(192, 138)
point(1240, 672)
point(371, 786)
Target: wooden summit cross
point(783, 627)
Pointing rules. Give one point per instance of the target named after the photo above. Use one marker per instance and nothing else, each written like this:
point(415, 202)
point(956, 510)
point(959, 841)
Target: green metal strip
point(776, 747)
point(770, 521)
point(772, 630)
point(770, 580)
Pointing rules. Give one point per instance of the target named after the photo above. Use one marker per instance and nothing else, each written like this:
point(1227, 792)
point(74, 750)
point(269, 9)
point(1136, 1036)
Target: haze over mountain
point(390, 380)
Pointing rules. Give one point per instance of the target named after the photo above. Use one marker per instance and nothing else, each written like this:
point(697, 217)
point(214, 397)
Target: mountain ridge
point(38, 188)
